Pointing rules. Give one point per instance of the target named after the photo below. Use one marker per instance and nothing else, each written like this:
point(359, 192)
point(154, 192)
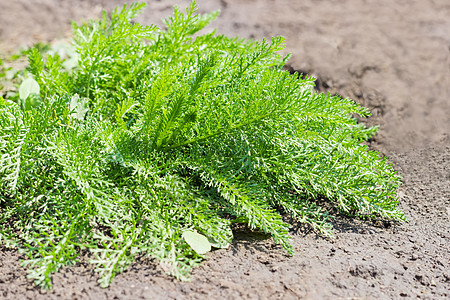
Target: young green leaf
point(78, 107)
point(198, 242)
point(28, 87)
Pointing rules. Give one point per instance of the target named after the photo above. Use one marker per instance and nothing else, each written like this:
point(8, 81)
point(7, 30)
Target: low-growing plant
point(152, 142)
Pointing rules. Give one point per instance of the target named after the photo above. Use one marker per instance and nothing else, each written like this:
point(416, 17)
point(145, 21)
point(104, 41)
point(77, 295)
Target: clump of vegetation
point(146, 141)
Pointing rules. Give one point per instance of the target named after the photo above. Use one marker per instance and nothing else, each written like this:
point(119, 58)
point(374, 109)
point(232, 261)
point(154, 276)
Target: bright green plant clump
point(152, 142)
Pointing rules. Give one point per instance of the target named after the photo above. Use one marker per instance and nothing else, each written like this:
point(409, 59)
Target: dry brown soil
point(393, 57)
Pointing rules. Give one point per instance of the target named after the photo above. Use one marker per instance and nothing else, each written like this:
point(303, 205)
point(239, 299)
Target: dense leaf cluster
point(148, 134)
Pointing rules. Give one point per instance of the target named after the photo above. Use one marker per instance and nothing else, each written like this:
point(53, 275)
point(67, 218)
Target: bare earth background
point(391, 56)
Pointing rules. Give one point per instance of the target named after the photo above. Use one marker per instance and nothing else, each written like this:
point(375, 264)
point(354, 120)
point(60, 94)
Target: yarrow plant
point(152, 142)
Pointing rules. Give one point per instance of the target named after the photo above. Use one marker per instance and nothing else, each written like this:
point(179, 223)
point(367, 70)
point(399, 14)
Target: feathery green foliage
point(151, 134)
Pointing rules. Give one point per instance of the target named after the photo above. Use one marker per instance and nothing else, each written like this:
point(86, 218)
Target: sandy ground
point(391, 56)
